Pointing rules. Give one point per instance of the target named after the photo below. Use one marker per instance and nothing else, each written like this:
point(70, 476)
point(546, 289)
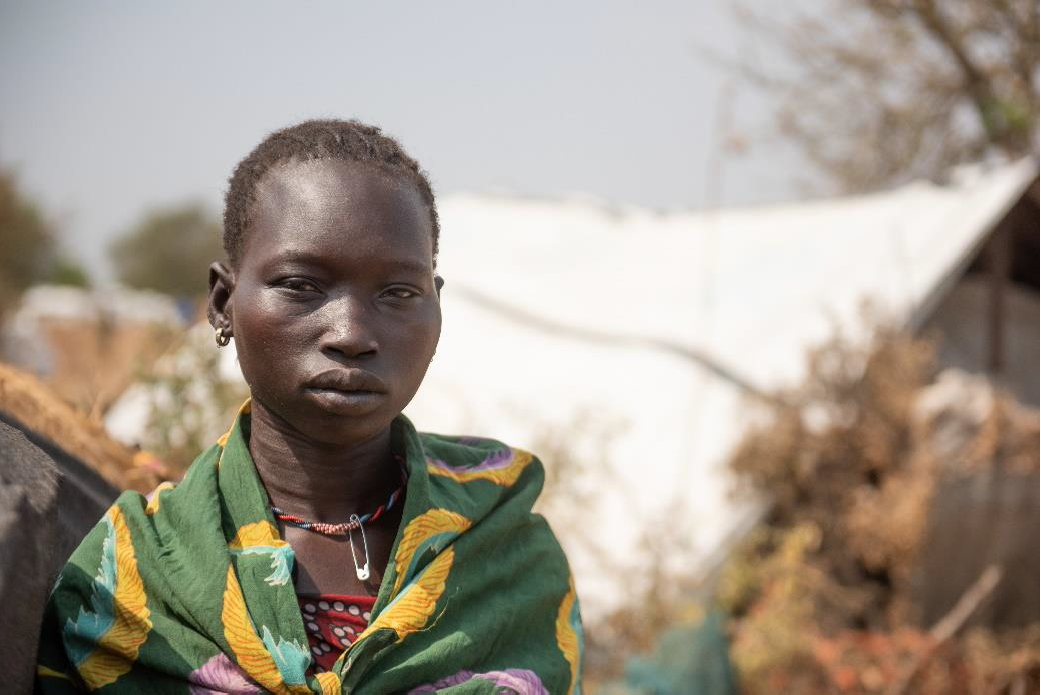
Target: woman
point(322, 544)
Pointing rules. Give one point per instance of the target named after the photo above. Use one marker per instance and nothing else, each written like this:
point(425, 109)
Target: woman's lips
point(347, 391)
point(347, 379)
point(346, 402)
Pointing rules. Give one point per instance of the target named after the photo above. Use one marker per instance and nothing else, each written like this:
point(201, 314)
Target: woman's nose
point(348, 328)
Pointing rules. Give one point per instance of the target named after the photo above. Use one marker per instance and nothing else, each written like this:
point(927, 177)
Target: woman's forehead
point(322, 206)
point(318, 183)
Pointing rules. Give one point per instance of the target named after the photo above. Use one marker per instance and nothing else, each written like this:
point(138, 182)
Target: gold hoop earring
point(222, 339)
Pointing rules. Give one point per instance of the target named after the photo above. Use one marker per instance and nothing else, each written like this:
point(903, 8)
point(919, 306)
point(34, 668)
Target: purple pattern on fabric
point(470, 440)
point(518, 680)
point(221, 675)
point(496, 459)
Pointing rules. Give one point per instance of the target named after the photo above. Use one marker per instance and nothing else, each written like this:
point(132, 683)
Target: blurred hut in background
point(88, 344)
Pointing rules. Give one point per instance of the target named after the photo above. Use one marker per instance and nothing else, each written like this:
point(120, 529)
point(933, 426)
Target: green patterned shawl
point(191, 591)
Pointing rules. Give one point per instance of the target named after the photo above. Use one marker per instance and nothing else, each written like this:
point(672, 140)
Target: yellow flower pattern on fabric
point(222, 440)
point(261, 538)
point(415, 604)
point(118, 646)
point(259, 533)
point(433, 529)
point(501, 467)
point(250, 652)
point(330, 683)
point(153, 503)
point(567, 637)
point(45, 672)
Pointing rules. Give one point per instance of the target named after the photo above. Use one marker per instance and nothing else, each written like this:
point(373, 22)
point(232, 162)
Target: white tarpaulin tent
point(557, 310)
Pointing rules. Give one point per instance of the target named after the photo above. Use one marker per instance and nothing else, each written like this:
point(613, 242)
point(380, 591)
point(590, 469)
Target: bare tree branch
point(876, 92)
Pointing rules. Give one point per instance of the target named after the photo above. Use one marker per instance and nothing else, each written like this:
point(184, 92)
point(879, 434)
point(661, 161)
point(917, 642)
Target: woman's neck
point(320, 482)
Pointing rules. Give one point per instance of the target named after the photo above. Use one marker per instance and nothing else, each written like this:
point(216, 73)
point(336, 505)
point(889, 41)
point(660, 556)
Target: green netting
point(692, 660)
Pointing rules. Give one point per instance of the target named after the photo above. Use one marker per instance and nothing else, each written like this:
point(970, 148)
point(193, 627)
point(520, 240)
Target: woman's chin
point(330, 426)
point(329, 419)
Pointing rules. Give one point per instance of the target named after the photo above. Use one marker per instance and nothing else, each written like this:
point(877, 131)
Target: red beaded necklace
point(344, 528)
point(355, 522)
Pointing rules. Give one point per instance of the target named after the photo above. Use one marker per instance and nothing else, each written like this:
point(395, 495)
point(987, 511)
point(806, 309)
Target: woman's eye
point(298, 285)
point(400, 293)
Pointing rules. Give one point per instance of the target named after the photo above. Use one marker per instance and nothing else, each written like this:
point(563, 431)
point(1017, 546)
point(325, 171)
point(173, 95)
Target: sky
point(114, 108)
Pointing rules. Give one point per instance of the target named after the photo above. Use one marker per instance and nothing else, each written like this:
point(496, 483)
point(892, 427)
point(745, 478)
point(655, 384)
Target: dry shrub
point(1004, 662)
point(844, 457)
point(822, 594)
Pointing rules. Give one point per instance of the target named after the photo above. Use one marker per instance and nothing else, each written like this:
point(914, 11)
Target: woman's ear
point(218, 305)
point(439, 282)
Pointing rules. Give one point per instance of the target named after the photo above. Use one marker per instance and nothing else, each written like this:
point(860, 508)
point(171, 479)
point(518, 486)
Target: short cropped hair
point(350, 141)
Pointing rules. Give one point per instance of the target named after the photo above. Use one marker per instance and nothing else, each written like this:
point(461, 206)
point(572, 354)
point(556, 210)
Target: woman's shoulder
point(466, 458)
point(461, 444)
point(137, 514)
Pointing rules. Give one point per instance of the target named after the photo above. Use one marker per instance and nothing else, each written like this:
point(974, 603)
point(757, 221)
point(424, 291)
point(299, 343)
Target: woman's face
point(334, 307)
